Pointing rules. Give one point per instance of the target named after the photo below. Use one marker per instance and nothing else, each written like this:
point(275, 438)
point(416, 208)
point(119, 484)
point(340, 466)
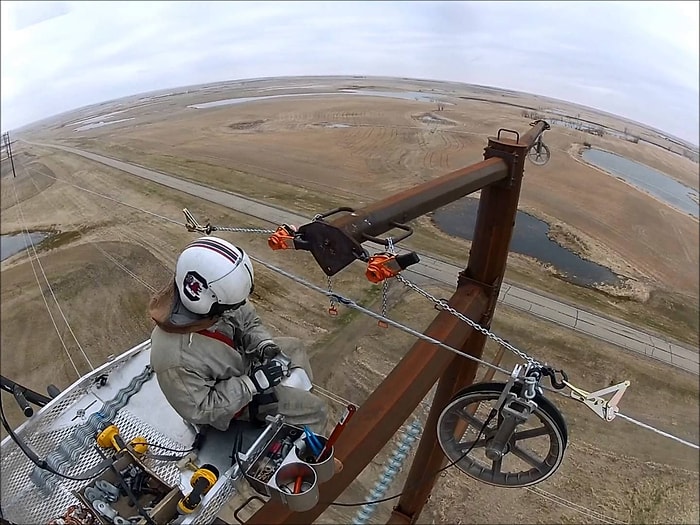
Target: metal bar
point(377, 218)
point(498, 205)
point(33, 397)
point(387, 408)
point(538, 127)
point(429, 458)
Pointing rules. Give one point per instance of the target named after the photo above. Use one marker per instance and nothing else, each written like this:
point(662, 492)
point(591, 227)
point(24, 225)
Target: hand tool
point(349, 411)
point(297, 484)
point(312, 441)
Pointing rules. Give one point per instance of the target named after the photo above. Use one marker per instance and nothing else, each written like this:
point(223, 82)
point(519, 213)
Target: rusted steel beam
point(386, 409)
point(429, 457)
point(380, 217)
point(498, 206)
point(337, 243)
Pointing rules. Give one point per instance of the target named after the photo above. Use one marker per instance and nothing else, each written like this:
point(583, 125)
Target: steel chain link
point(446, 307)
point(385, 292)
point(242, 230)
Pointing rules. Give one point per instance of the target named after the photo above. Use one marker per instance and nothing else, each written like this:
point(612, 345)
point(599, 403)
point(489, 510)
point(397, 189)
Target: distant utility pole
point(6, 138)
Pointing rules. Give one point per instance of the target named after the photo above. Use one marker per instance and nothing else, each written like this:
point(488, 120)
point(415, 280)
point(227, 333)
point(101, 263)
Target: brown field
point(280, 151)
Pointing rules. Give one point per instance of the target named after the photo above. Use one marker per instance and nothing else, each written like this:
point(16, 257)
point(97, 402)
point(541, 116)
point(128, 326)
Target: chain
point(352, 304)
point(385, 286)
point(385, 291)
point(194, 226)
point(242, 230)
point(442, 305)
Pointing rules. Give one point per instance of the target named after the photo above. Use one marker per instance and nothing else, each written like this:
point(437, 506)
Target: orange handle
point(297, 484)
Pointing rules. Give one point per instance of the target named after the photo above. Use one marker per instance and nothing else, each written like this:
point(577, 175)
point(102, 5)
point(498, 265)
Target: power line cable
point(352, 304)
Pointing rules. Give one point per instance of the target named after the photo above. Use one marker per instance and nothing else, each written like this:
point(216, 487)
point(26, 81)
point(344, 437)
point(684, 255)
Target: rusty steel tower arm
point(377, 420)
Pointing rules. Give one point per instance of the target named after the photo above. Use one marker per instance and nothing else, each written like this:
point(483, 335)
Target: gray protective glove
point(268, 350)
point(266, 376)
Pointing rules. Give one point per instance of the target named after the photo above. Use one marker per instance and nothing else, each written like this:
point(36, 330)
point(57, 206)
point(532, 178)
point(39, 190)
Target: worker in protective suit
point(213, 358)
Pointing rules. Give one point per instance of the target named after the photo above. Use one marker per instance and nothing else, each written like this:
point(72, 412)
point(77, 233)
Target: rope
point(114, 200)
point(25, 231)
point(350, 303)
point(333, 396)
point(41, 267)
point(659, 432)
point(589, 513)
point(97, 247)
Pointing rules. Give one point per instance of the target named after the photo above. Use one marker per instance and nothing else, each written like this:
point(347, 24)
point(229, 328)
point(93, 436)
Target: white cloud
point(638, 59)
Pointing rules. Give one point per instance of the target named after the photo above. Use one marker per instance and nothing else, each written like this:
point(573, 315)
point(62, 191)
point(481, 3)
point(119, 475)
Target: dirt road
point(608, 330)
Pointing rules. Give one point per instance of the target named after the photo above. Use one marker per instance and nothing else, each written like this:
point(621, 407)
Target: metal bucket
point(324, 469)
point(286, 478)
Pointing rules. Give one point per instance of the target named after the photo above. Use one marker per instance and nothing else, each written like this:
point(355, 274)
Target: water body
point(101, 123)
point(405, 95)
point(529, 238)
point(15, 243)
point(646, 179)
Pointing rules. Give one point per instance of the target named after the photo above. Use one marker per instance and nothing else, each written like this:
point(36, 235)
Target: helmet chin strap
point(218, 308)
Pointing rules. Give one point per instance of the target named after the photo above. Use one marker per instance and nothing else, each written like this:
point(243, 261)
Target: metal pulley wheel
point(523, 444)
point(539, 153)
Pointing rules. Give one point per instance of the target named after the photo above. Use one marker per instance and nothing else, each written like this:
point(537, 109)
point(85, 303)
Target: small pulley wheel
point(539, 153)
point(529, 454)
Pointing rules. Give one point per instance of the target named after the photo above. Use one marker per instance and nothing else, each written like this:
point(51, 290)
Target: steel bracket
point(605, 408)
point(490, 290)
point(510, 159)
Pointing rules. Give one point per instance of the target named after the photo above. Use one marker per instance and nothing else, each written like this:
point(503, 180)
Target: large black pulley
point(522, 444)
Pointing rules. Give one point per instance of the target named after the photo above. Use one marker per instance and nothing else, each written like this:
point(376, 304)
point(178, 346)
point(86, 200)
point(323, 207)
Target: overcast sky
point(635, 59)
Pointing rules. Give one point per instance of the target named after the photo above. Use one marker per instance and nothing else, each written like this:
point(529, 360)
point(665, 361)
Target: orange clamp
point(381, 267)
point(283, 238)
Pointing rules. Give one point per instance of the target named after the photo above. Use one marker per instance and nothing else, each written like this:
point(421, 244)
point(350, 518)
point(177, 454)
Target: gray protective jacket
point(204, 379)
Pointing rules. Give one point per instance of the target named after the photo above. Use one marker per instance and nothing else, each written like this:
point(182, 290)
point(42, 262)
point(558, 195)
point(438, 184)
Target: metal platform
point(64, 433)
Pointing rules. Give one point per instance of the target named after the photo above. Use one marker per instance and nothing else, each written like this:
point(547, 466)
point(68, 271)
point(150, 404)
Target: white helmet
point(211, 276)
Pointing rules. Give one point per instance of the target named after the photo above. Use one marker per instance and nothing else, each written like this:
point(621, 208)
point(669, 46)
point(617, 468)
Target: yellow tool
point(202, 480)
point(110, 438)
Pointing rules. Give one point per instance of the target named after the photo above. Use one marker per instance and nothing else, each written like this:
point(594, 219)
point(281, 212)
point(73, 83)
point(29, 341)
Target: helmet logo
point(192, 285)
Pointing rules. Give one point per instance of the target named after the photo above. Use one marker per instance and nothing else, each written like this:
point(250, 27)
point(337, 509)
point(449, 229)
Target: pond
point(11, 244)
point(405, 95)
point(647, 179)
point(529, 238)
point(101, 123)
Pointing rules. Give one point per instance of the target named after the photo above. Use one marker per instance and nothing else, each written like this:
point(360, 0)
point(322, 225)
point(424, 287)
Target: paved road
point(563, 314)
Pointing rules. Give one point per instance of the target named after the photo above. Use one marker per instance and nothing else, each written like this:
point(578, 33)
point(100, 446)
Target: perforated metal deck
point(67, 420)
